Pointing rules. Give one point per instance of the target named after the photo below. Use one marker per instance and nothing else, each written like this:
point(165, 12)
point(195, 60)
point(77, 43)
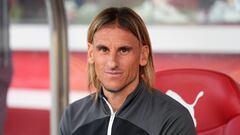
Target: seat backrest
point(213, 98)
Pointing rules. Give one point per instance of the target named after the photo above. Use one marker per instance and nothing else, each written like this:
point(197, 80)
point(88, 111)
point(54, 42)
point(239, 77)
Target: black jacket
point(145, 112)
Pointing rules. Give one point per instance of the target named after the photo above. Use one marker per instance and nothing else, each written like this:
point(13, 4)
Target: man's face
point(117, 55)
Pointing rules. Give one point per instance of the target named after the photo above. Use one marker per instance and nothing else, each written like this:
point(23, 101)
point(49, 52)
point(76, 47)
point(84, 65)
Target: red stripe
point(31, 69)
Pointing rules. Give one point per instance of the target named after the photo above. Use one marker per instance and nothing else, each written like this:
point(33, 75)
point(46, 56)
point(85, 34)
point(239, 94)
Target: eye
point(102, 49)
point(125, 50)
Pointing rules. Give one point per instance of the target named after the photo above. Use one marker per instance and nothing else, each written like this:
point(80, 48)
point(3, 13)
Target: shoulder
point(164, 105)
point(174, 114)
point(166, 101)
point(80, 105)
point(73, 114)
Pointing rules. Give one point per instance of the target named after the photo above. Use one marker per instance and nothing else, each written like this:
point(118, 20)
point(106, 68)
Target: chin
point(114, 88)
point(112, 84)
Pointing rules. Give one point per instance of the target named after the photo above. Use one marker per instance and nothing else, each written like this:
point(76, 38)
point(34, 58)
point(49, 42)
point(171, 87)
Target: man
point(121, 69)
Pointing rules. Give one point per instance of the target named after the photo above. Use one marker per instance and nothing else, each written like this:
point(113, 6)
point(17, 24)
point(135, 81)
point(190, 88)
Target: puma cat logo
point(190, 107)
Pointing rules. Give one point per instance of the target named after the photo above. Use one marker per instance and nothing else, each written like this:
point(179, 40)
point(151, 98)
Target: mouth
point(114, 73)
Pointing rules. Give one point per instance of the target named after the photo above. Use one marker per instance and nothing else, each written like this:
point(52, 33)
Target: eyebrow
point(99, 46)
point(126, 47)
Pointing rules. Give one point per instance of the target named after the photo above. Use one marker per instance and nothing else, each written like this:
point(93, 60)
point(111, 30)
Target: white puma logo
point(190, 107)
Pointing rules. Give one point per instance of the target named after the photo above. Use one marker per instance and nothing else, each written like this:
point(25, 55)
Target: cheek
point(132, 65)
point(98, 70)
point(98, 59)
point(99, 64)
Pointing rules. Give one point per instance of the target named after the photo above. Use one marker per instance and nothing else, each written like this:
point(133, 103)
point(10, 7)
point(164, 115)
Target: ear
point(90, 53)
point(144, 55)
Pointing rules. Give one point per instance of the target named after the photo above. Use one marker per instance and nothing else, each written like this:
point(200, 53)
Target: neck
point(116, 100)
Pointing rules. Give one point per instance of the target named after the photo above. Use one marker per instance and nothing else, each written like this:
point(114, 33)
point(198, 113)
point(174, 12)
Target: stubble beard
point(120, 89)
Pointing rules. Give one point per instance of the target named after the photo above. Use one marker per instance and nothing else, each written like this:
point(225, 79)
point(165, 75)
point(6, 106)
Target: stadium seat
point(212, 98)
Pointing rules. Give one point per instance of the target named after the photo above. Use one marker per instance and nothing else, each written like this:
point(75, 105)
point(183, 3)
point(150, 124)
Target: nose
point(112, 61)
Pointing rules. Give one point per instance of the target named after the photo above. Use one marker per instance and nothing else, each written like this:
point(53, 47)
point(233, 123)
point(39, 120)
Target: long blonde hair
point(125, 18)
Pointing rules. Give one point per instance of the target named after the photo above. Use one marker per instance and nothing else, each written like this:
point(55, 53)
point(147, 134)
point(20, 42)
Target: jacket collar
point(135, 94)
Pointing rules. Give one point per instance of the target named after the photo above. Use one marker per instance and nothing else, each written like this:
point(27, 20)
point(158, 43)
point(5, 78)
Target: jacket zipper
point(110, 123)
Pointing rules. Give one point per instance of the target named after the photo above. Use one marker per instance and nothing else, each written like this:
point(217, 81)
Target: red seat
point(216, 95)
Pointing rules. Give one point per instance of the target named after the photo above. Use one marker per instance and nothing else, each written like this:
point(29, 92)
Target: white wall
point(170, 39)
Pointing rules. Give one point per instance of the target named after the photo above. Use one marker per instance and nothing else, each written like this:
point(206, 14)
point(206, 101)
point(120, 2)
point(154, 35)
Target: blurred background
point(184, 34)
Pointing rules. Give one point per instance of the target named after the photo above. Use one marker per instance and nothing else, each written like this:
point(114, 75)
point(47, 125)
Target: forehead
point(114, 33)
